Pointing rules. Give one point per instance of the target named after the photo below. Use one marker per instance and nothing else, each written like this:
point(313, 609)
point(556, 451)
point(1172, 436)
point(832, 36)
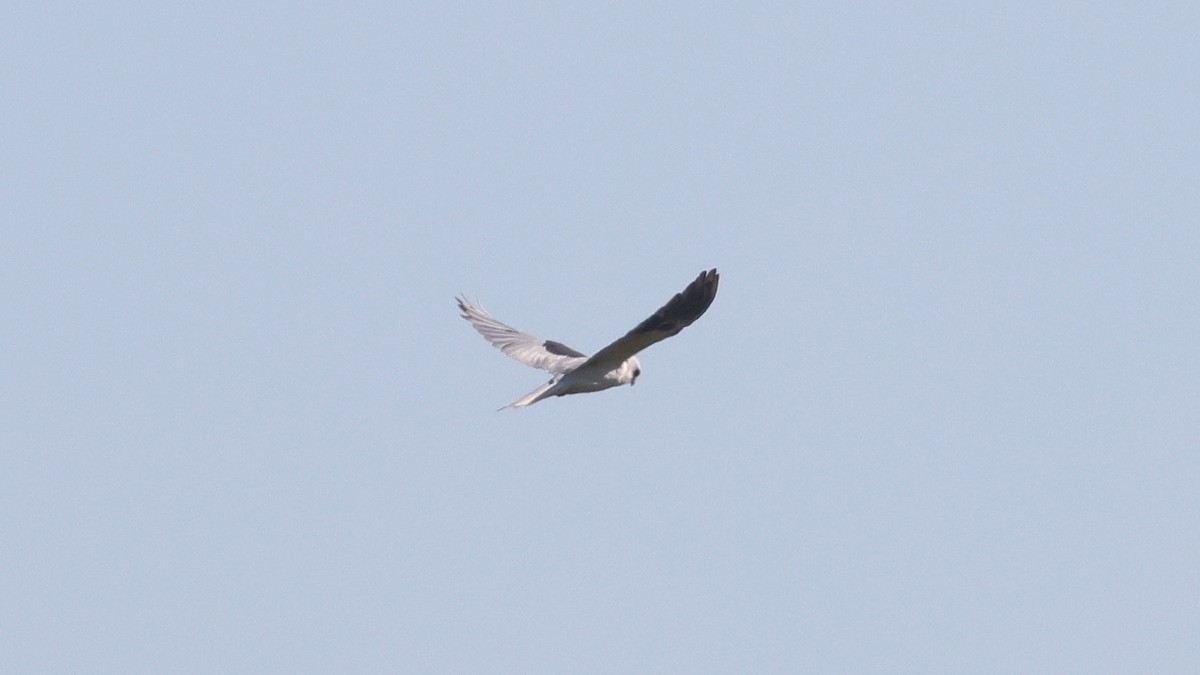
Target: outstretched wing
point(679, 313)
point(531, 350)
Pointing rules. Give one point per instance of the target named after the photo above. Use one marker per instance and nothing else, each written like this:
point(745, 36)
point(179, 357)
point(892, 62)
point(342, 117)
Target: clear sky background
point(944, 415)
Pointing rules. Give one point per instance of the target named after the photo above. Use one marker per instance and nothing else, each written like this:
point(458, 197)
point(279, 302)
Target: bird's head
point(632, 369)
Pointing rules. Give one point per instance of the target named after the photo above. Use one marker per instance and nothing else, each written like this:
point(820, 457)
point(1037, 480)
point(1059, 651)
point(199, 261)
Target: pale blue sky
point(944, 415)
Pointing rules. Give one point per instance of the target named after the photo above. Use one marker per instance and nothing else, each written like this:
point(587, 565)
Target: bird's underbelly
point(582, 383)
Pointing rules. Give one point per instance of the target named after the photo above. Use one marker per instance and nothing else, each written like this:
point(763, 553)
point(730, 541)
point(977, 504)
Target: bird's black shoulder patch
point(559, 349)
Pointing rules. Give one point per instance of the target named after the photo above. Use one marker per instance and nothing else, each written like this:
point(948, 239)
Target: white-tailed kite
point(577, 373)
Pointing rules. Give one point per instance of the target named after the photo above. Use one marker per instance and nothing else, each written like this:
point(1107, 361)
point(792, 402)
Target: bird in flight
point(577, 373)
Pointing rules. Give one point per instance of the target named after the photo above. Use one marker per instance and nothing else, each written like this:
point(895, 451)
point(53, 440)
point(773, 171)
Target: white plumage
point(575, 372)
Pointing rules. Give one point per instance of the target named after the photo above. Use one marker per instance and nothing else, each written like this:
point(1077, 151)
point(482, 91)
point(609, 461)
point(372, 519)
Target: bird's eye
point(637, 371)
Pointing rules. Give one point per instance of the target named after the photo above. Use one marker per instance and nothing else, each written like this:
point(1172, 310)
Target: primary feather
point(681, 311)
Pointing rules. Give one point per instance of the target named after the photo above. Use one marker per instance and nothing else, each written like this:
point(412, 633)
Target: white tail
point(533, 396)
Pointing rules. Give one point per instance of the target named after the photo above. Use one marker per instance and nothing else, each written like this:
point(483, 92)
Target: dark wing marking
point(679, 313)
point(559, 349)
point(531, 350)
